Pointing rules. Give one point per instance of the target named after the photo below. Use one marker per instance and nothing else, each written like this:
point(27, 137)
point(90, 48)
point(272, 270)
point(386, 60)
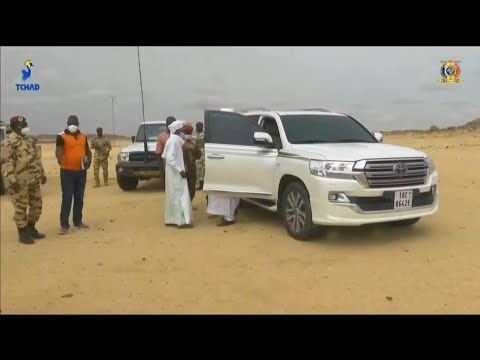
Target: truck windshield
point(311, 129)
point(152, 131)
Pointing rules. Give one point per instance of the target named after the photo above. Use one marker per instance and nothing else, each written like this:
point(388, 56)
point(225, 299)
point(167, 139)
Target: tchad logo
point(26, 74)
point(400, 169)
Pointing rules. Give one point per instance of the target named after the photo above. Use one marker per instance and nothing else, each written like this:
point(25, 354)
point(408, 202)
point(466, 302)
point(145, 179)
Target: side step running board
point(265, 204)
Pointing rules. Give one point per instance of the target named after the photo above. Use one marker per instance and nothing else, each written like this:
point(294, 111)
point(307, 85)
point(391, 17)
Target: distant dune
point(473, 125)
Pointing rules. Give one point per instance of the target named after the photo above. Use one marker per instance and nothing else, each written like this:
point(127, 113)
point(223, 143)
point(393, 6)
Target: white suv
point(316, 167)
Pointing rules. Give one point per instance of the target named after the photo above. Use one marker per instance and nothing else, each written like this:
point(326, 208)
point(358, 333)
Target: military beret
point(187, 128)
point(17, 119)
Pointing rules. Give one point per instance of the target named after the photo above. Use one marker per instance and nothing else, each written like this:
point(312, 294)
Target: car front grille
point(140, 156)
point(395, 173)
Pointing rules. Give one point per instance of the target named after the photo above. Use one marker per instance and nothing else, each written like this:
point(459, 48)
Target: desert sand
point(129, 263)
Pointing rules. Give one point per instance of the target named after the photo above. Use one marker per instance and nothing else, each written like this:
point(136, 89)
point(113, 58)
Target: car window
point(270, 126)
point(311, 128)
point(151, 130)
point(229, 128)
point(254, 118)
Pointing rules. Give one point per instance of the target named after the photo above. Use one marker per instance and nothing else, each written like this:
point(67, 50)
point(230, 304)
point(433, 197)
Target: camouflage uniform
point(191, 154)
point(4, 153)
point(23, 165)
point(102, 148)
point(4, 158)
point(199, 137)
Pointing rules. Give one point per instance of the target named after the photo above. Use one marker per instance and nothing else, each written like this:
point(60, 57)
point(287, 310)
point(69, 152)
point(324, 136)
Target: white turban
point(176, 125)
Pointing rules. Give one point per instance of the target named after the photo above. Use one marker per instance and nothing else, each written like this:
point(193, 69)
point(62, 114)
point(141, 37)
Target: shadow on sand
point(151, 186)
point(373, 234)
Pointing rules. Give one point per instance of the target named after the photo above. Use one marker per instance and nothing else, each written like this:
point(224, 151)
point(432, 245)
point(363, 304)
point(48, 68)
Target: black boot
point(24, 236)
point(34, 232)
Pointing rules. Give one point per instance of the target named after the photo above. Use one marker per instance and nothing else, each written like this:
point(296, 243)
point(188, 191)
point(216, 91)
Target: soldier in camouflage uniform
point(191, 154)
point(102, 147)
point(23, 172)
point(198, 135)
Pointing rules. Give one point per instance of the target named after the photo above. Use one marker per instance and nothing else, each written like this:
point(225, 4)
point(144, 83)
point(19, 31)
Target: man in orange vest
point(74, 157)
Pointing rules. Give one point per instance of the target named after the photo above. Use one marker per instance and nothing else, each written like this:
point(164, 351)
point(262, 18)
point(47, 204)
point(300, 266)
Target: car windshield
point(311, 129)
point(152, 131)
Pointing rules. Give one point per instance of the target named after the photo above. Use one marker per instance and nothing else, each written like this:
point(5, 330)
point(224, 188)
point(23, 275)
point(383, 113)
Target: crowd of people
point(180, 151)
point(182, 154)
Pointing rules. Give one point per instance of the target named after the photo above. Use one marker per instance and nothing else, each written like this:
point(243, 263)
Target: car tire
point(407, 222)
point(127, 183)
point(296, 212)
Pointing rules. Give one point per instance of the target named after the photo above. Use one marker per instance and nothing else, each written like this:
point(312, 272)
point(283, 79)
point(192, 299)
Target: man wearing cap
point(178, 206)
point(74, 157)
point(23, 174)
point(191, 153)
point(102, 147)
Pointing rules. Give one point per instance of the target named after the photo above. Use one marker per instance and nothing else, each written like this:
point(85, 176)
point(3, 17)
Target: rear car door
point(234, 163)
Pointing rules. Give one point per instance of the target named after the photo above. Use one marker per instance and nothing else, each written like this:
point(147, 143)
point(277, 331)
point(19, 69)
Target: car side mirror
point(378, 136)
point(133, 139)
point(263, 138)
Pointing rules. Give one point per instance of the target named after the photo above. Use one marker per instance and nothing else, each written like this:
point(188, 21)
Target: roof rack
point(255, 109)
point(316, 109)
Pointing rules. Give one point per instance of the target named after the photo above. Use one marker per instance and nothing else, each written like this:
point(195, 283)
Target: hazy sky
point(384, 87)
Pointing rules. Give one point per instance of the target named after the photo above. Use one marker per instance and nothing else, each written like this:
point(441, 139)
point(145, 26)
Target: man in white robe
point(178, 206)
point(224, 206)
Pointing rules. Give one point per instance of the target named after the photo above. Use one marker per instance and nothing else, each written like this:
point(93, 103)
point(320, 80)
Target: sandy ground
point(128, 262)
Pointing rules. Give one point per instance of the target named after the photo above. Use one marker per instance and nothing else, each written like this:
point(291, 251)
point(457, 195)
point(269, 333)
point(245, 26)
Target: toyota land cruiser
point(316, 167)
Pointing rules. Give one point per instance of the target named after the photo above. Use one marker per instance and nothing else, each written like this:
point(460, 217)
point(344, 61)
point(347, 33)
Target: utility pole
point(145, 145)
point(113, 120)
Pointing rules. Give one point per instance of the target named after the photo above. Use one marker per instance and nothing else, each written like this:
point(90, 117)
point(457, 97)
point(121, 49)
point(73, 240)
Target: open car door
point(239, 156)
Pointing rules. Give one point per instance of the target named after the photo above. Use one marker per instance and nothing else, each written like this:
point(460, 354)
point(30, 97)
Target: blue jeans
point(73, 187)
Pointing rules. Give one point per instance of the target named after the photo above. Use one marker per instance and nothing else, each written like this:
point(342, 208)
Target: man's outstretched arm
point(59, 149)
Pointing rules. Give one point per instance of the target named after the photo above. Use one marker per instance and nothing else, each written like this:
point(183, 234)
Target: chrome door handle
point(215, 156)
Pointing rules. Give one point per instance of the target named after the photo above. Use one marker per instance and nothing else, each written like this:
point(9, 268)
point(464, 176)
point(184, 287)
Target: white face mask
point(25, 131)
point(188, 137)
point(182, 135)
point(72, 128)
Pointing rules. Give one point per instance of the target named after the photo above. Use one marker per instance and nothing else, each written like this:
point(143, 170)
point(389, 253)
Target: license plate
point(403, 199)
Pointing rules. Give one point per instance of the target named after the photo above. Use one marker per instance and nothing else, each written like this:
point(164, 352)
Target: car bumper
point(367, 206)
point(139, 170)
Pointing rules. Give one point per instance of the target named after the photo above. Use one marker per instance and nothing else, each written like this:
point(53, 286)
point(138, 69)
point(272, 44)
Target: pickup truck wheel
point(408, 222)
point(127, 183)
point(296, 212)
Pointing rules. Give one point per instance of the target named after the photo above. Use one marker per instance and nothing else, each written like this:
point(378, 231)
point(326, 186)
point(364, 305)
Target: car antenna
point(145, 145)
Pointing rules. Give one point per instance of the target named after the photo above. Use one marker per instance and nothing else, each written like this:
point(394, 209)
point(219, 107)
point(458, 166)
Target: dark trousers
point(73, 188)
point(192, 181)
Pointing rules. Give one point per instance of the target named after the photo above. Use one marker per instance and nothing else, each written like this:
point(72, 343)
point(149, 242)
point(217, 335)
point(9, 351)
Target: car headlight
point(431, 166)
point(123, 157)
point(332, 169)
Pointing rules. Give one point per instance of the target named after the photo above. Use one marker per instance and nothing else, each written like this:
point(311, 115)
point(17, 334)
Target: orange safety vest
point(73, 151)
